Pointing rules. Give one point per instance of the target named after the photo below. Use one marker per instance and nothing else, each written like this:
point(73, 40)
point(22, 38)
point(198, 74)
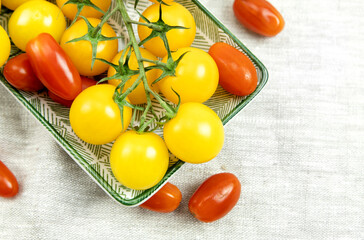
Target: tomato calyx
point(123, 73)
point(159, 1)
point(122, 70)
point(168, 68)
point(80, 4)
point(159, 29)
point(94, 35)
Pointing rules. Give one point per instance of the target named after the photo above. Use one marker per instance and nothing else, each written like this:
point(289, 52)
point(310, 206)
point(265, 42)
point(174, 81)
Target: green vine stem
point(170, 111)
point(103, 21)
point(149, 25)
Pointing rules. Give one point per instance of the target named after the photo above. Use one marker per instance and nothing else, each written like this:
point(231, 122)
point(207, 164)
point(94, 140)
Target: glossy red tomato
point(8, 184)
point(259, 16)
point(19, 73)
point(53, 67)
point(215, 198)
point(237, 72)
point(167, 199)
point(86, 82)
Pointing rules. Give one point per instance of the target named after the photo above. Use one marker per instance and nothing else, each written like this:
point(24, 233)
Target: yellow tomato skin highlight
point(139, 160)
point(5, 46)
point(35, 17)
point(95, 117)
point(195, 135)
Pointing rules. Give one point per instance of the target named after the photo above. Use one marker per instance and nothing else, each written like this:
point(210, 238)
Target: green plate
point(93, 159)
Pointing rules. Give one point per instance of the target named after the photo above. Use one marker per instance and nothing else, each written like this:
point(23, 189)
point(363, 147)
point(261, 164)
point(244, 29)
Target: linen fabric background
point(297, 148)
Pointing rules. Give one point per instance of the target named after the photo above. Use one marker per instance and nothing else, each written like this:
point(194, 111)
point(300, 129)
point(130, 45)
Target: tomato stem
point(96, 30)
point(153, 26)
point(80, 4)
point(170, 111)
point(133, 40)
point(124, 73)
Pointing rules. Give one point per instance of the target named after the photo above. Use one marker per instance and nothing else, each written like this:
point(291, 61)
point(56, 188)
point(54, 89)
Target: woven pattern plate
point(94, 159)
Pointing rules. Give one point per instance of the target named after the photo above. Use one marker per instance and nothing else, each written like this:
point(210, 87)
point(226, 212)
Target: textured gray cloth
point(297, 148)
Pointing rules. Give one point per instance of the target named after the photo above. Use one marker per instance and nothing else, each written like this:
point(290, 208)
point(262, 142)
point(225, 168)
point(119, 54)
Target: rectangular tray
point(94, 160)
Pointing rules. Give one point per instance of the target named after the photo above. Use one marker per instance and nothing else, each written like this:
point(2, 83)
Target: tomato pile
point(162, 67)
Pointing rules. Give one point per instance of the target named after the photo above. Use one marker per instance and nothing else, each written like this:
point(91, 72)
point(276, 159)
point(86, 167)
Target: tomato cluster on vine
point(56, 57)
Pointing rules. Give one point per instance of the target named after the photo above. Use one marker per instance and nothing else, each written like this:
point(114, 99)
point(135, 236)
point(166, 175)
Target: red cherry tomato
point(167, 199)
point(19, 73)
point(8, 184)
point(53, 67)
point(237, 72)
point(259, 16)
point(86, 82)
point(215, 198)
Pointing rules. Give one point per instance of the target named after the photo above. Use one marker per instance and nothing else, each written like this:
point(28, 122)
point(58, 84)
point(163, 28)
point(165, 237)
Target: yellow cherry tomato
point(196, 77)
point(70, 10)
point(35, 17)
point(95, 117)
point(4, 46)
point(13, 4)
point(139, 161)
point(81, 52)
point(137, 96)
point(174, 15)
point(195, 135)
